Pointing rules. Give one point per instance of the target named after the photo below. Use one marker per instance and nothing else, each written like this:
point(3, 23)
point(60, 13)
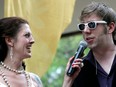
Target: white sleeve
point(37, 79)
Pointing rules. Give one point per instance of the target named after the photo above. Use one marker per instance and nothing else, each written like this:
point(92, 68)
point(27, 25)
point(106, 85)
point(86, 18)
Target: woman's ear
point(112, 26)
point(9, 41)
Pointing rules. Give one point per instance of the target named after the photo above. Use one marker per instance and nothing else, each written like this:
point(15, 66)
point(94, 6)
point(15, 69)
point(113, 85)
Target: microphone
point(78, 54)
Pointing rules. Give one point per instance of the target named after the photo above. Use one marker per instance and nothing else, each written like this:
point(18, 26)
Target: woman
point(15, 45)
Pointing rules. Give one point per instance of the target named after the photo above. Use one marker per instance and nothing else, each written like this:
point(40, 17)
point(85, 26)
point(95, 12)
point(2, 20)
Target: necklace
point(10, 69)
point(13, 70)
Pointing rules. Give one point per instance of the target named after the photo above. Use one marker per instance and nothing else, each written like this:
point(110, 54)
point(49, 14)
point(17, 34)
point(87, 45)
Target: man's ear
point(112, 26)
point(9, 41)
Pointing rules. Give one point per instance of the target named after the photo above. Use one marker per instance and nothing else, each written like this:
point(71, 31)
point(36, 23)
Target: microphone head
point(83, 43)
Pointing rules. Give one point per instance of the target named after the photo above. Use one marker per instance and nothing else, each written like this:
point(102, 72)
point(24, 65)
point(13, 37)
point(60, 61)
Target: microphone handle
point(78, 54)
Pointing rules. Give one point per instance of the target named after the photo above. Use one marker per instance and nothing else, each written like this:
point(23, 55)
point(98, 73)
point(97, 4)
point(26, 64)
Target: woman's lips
point(29, 48)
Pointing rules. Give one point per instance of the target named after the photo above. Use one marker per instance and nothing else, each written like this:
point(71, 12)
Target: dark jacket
point(87, 77)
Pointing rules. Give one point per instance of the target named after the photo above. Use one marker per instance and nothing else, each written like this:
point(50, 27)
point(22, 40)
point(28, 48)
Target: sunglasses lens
point(81, 26)
point(91, 25)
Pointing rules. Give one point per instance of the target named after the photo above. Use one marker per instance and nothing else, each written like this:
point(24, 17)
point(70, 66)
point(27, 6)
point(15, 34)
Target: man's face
point(96, 36)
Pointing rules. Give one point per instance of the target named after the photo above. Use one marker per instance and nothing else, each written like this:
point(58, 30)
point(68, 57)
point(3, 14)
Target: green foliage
point(66, 49)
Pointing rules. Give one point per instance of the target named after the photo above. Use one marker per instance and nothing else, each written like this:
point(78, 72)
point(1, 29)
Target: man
point(98, 26)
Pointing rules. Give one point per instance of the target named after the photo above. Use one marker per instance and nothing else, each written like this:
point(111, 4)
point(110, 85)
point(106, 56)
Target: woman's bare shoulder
point(36, 78)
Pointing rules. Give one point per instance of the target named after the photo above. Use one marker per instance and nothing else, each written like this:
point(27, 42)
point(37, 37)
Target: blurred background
point(53, 24)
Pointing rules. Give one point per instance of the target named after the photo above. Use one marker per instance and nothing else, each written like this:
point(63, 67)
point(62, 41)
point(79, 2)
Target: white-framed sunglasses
point(90, 25)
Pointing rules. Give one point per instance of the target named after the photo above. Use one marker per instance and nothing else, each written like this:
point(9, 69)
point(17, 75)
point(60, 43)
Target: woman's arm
point(37, 79)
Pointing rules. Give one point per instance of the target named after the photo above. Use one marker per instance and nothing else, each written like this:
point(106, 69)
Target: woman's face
point(23, 42)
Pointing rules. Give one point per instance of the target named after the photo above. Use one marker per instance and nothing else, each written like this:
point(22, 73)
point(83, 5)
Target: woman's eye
point(27, 35)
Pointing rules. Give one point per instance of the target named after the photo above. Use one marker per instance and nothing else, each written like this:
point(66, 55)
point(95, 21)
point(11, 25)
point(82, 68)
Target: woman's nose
point(32, 40)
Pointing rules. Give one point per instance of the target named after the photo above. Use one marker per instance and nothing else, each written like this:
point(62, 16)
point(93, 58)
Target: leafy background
point(66, 48)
